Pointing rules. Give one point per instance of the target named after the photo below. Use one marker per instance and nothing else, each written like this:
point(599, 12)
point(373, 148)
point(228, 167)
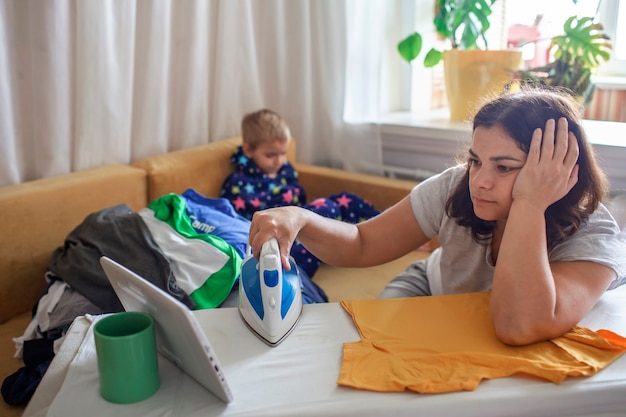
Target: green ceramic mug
point(127, 357)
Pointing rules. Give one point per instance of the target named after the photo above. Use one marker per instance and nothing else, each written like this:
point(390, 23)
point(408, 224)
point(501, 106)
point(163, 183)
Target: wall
point(431, 142)
point(607, 104)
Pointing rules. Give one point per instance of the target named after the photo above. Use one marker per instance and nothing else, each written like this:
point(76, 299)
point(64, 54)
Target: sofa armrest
point(204, 168)
point(38, 215)
point(382, 192)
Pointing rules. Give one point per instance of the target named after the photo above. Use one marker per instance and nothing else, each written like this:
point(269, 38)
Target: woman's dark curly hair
point(519, 114)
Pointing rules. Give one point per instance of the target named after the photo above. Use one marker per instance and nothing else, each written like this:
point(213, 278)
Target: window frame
point(420, 95)
point(608, 14)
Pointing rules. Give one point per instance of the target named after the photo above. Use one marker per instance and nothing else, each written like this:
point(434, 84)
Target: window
point(611, 12)
point(514, 22)
point(528, 20)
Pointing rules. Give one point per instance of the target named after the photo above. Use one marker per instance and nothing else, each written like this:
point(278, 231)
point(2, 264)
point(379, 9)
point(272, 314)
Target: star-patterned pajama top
point(249, 189)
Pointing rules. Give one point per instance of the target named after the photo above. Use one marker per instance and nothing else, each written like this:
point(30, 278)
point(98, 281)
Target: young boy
point(263, 178)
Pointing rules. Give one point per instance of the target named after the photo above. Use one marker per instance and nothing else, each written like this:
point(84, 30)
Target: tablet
point(179, 336)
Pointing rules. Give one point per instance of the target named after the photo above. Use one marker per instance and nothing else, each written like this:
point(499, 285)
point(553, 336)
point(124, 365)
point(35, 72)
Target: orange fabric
point(617, 340)
point(447, 343)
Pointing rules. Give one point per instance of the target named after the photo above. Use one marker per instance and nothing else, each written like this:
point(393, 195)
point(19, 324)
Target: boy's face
point(268, 156)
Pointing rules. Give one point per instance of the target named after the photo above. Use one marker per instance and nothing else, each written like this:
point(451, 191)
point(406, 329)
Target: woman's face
point(495, 161)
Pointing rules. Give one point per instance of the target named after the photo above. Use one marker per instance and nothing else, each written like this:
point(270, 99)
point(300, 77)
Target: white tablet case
point(179, 336)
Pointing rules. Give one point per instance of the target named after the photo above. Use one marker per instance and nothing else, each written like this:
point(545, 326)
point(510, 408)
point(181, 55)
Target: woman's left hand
point(551, 168)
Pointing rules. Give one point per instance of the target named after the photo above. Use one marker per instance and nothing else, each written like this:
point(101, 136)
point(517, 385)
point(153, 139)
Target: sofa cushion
point(362, 283)
point(202, 168)
point(38, 215)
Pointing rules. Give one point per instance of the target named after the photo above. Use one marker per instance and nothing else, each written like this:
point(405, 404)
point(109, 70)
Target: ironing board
point(299, 376)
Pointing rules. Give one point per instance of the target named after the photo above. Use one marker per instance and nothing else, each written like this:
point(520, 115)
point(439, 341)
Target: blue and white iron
point(270, 298)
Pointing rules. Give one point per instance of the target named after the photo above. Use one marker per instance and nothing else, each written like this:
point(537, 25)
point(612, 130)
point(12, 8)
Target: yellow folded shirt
point(447, 343)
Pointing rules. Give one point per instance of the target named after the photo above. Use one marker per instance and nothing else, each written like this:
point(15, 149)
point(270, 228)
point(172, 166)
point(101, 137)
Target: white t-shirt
point(461, 265)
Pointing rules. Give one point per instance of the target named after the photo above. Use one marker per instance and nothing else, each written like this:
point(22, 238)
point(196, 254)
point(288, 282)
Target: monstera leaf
point(585, 39)
point(471, 17)
point(577, 52)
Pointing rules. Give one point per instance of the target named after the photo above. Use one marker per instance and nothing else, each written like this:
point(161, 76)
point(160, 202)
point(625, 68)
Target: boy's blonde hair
point(264, 126)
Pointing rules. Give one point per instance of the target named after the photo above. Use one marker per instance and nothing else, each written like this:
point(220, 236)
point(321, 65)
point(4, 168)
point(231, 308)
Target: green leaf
point(583, 39)
point(443, 19)
point(410, 47)
point(577, 52)
point(464, 22)
point(432, 58)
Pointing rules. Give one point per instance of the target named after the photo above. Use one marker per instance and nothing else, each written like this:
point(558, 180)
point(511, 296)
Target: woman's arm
point(533, 299)
point(381, 239)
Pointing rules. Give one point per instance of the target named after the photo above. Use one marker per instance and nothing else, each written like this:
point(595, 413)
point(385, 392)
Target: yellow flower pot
point(472, 77)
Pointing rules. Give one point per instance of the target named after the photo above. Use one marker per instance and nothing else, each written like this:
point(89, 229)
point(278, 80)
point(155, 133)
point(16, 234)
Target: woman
point(522, 218)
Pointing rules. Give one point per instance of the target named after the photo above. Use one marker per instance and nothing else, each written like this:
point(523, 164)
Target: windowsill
point(610, 82)
point(430, 141)
point(437, 125)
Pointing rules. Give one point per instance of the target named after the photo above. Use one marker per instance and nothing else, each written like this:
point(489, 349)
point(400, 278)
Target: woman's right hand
point(551, 169)
point(282, 223)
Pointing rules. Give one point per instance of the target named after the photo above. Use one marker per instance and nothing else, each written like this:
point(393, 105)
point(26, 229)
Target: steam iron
point(270, 298)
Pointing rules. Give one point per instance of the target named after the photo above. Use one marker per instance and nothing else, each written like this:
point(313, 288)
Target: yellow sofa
point(36, 217)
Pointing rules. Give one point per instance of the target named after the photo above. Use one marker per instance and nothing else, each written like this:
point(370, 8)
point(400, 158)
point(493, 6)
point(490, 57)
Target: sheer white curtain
point(90, 82)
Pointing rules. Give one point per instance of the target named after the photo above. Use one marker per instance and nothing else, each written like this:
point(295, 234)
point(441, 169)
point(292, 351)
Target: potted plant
point(576, 53)
point(471, 70)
